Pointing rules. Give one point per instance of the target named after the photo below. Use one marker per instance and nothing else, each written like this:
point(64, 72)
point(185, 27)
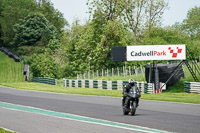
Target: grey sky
point(73, 9)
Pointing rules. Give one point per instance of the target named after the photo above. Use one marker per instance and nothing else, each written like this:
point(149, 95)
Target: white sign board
point(156, 52)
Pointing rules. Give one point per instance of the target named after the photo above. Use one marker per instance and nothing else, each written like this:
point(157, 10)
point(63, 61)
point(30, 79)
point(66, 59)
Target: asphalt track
point(165, 116)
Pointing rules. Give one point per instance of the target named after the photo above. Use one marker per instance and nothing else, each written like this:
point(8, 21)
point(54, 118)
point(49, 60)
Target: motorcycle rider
point(126, 89)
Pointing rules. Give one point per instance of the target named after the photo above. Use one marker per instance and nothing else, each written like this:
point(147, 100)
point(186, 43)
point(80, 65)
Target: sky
point(73, 9)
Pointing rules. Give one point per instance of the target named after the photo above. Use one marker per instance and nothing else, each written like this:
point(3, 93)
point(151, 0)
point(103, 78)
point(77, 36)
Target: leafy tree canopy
point(191, 25)
point(43, 65)
point(11, 11)
point(34, 28)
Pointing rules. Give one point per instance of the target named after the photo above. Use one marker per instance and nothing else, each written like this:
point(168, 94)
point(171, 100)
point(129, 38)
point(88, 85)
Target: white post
point(135, 70)
point(89, 68)
point(112, 72)
point(118, 71)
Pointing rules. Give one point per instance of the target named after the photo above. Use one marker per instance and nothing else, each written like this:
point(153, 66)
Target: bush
point(43, 65)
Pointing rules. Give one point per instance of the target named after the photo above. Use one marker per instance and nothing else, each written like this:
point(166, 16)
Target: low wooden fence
point(120, 71)
point(45, 80)
point(192, 87)
point(109, 85)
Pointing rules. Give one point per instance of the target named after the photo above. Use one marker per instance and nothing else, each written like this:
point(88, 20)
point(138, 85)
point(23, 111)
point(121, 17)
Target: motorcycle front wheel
point(133, 107)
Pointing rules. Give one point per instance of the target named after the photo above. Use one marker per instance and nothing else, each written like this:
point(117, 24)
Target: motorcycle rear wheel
point(125, 112)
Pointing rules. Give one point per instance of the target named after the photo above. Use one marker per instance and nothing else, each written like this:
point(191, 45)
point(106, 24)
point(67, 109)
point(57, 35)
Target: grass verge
point(4, 131)
point(165, 96)
point(10, 71)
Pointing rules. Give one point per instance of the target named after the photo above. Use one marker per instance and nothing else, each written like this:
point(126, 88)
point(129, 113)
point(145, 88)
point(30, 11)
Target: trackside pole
point(156, 81)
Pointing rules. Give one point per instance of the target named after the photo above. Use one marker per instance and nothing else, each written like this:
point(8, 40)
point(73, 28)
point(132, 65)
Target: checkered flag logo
point(175, 52)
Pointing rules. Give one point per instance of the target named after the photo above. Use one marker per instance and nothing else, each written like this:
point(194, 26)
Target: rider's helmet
point(131, 82)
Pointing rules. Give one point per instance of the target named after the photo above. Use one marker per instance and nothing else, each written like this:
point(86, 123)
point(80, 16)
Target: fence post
point(112, 72)
point(135, 70)
point(185, 70)
point(142, 72)
point(129, 70)
point(107, 72)
point(93, 74)
point(124, 71)
point(118, 71)
point(102, 72)
point(97, 73)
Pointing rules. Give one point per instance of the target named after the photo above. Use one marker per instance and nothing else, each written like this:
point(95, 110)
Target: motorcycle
point(133, 100)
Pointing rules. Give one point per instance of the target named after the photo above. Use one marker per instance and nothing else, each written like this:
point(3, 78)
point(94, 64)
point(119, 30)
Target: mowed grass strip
point(4, 131)
point(10, 71)
point(165, 96)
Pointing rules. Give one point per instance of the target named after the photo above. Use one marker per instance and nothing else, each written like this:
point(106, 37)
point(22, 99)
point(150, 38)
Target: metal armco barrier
point(109, 85)
point(50, 81)
point(10, 54)
point(192, 87)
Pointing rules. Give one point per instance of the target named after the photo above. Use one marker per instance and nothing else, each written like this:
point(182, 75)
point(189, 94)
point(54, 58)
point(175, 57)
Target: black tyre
point(133, 108)
point(125, 112)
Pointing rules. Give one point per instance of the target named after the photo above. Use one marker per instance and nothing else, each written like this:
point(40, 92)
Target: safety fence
point(45, 80)
point(10, 54)
point(119, 71)
point(192, 87)
point(109, 85)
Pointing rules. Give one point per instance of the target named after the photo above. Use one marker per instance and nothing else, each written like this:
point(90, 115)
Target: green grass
point(179, 87)
point(4, 131)
point(10, 71)
point(165, 96)
point(60, 89)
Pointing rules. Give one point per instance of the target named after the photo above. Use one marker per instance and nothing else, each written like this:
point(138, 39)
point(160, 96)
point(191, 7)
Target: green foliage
point(10, 71)
point(54, 16)
point(160, 35)
point(92, 44)
point(54, 44)
point(1, 9)
point(136, 15)
point(29, 50)
point(32, 29)
point(12, 11)
point(43, 65)
point(191, 25)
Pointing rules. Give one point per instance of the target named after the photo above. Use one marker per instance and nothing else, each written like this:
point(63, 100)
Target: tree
point(54, 16)
point(43, 65)
point(154, 11)
point(191, 25)
point(95, 42)
point(160, 35)
point(1, 9)
point(136, 15)
point(34, 28)
point(12, 11)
